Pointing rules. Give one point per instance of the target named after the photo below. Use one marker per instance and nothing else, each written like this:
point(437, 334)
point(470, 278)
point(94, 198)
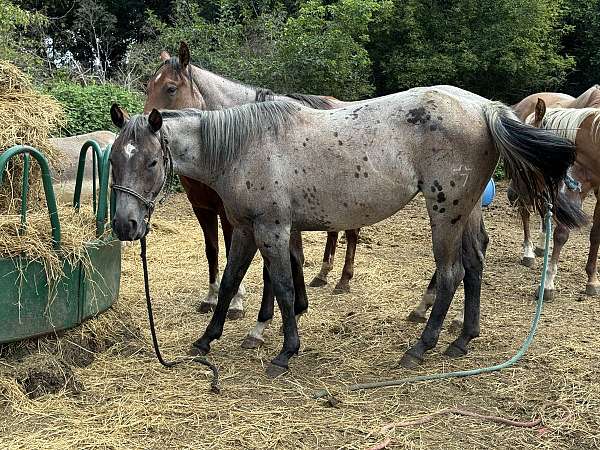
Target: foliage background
point(91, 52)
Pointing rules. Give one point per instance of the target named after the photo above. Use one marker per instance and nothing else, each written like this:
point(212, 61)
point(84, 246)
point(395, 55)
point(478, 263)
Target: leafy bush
point(88, 107)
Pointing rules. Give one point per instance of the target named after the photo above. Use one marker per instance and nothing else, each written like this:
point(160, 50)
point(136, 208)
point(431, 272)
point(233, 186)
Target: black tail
point(536, 160)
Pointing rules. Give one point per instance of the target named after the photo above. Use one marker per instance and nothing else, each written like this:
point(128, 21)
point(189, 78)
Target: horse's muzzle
point(128, 229)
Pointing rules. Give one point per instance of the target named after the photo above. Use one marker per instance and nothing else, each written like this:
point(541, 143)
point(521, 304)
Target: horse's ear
point(155, 120)
point(164, 56)
point(184, 55)
point(118, 115)
point(540, 110)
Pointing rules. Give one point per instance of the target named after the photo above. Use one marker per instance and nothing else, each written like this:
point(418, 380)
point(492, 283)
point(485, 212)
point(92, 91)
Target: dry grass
point(128, 401)
point(26, 117)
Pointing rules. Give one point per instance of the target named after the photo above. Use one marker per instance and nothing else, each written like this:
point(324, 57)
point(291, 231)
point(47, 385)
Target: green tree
point(502, 49)
point(16, 43)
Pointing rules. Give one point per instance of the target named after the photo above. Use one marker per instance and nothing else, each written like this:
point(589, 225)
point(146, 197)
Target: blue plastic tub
point(489, 193)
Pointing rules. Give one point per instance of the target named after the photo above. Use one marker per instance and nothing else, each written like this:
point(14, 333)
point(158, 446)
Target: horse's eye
point(153, 163)
point(172, 89)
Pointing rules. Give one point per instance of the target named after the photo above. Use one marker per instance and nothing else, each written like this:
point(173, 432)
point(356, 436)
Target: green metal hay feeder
point(31, 305)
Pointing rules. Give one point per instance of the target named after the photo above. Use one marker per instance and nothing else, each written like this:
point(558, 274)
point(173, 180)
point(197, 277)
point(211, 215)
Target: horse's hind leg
point(474, 245)
point(418, 314)
point(343, 285)
point(209, 223)
point(328, 256)
point(593, 285)
point(528, 259)
point(447, 242)
point(236, 310)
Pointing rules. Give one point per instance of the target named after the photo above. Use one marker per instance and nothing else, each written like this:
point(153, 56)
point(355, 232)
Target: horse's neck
point(221, 93)
point(183, 134)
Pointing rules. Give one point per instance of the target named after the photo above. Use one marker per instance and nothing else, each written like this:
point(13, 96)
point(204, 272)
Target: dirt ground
point(118, 396)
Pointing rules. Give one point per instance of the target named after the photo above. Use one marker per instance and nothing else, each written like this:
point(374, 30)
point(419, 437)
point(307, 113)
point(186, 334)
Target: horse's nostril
point(133, 224)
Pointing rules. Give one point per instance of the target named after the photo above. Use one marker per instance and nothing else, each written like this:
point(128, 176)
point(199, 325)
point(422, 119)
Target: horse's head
point(139, 161)
point(172, 86)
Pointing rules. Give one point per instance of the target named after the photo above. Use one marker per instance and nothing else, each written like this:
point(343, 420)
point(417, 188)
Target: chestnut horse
point(266, 161)
point(581, 179)
point(177, 84)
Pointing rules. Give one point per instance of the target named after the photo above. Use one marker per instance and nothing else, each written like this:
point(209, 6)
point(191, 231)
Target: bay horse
point(266, 162)
point(534, 107)
point(178, 84)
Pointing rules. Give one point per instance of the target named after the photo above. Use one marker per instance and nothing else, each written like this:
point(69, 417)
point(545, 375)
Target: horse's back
point(589, 99)
point(552, 99)
point(70, 148)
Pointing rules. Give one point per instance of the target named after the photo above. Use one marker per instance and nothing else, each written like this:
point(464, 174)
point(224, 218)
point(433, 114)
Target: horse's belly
point(350, 210)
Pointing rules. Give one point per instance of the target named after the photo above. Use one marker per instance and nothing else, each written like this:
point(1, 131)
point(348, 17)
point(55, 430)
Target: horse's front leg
point(343, 285)
point(241, 253)
point(273, 241)
point(255, 338)
point(208, 221)
point(236, 309)
point(328, 257)
point(593, 285)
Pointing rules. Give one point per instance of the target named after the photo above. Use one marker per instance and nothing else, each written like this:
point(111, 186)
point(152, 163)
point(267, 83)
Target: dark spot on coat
point(433, 127)
point(455, 202)
point(420, 182)
point(435, 207)
point(303, 170)
point(358, 168)
point(440, 118)
point(456, 219)
point(335, 133)
point(276, 236)
point(441, 197)
point(262, 188)
point(365, 158)
point(452, 183)
point(304, 144)
point(248, 185)
point(296, 171)
point(276, 182)
point(433, 189)
point(365, 174)
point(340, 143)
point(356, 175)
point(418, 116)
point(306, 139)
point(277, 222)
point(442, 210)
point(345, 204)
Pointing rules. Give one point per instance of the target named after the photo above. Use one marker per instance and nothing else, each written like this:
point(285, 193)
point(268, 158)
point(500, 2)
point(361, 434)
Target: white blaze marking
point(157, 77)
point(129, 150)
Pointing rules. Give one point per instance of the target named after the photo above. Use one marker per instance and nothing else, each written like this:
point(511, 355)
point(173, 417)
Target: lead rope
point(468, 373)
point(214, 385)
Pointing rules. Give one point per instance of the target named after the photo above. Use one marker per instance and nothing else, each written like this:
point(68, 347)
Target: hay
point(26, 117)
point(130, 401)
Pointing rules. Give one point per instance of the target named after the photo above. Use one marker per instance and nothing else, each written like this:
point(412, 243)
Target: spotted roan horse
point(266, 161)
point(178, 84)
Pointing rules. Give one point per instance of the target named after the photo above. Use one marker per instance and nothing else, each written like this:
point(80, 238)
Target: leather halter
point(168, 174)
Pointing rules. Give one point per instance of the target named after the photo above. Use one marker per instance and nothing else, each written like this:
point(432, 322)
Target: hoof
point(318, 282)
point(251, 342)
point(592, 289)
point(454, 351)
point(539, 252)
point(205, 308)
point(416, 317)
point(196, 350)
point(548, 295)
point(410, 361)
point(456, 326)
point(528, 261)
point(273, 370)
point(235, 314)
point(341, 289)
